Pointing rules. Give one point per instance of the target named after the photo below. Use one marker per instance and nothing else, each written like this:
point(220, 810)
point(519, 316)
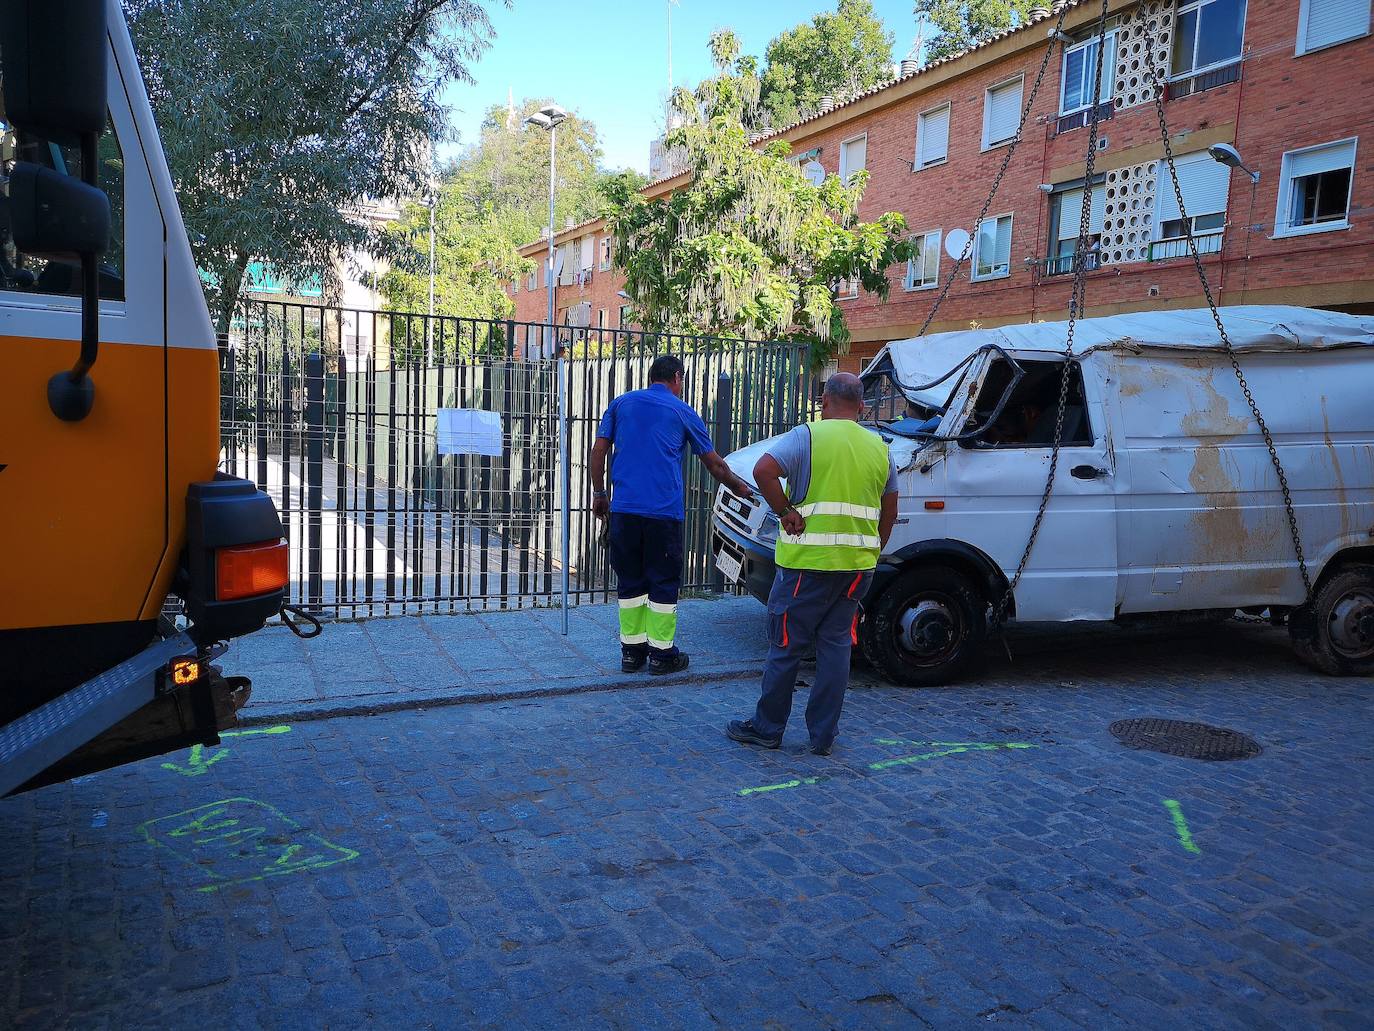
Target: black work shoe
point(632, 663)
point(745, 733)
point(822, 749)
point(673, 664)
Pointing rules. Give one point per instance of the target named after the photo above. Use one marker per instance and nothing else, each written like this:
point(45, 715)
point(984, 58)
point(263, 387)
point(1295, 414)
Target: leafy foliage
point(280, 116)
point(490, 202)
point(750, 247)
point(966, 23)
point(837, 54)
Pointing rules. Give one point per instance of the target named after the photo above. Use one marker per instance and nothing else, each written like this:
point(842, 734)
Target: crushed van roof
point(1252, 328)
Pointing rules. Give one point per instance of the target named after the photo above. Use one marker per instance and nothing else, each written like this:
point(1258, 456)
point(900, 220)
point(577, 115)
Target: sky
point(608, 59)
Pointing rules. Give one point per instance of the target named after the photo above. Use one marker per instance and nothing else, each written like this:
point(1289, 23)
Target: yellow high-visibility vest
point(843, 500)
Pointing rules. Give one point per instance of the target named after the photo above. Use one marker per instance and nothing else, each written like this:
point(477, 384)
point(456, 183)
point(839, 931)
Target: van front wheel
point(926, 628)
point(1335, 634)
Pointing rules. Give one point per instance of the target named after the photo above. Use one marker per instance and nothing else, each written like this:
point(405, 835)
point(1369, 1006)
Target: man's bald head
point(843, 397)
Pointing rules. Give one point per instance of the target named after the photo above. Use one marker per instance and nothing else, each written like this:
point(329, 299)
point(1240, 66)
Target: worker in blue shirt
point(649, 430)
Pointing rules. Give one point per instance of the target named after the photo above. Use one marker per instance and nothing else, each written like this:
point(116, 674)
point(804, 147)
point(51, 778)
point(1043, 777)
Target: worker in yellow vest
point(837, 514)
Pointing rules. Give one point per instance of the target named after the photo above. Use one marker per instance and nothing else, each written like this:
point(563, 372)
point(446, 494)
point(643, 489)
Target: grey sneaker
point(746, 733)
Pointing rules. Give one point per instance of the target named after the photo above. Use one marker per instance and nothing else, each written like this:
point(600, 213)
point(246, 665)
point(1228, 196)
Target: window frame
point(1300, 50)
point(909, 283)
point(974, 277)
point(1111, 38)
point(603, 263)
point(1183, 7)
point(1283, 228)
point(1020, 81)
point(948, 108)
point(845, 176)
point(851, 288)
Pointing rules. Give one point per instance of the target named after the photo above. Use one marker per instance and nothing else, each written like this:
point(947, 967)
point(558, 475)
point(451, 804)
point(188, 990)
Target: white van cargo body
point(1165, 498)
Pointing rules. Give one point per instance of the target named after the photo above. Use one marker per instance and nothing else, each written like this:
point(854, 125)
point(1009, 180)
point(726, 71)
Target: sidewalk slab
point(402, 662)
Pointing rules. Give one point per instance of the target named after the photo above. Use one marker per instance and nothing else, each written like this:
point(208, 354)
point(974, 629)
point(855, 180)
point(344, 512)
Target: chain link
point(1158, 90)
point(1076, 302)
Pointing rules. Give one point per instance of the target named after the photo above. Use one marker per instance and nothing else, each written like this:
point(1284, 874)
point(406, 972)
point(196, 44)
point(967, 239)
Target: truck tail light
point(250, 569)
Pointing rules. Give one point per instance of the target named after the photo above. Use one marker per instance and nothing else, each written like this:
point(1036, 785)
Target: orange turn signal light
point(935, 506)
point(250, 569)
point(185, 671)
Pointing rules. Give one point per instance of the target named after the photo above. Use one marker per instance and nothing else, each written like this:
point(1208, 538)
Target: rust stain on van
point(1213, 417)
point(1221, 530)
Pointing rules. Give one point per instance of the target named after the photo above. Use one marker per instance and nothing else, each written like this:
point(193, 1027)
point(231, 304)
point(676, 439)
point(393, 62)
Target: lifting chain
point(1158, 91)
point(1076, 301)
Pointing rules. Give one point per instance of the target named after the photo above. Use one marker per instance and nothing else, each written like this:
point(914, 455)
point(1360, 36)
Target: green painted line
point(1185, 836)
point(951, 748)
point(249, 733)
point(778, 787)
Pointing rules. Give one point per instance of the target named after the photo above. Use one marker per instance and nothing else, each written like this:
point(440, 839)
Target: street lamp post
point(550, 118)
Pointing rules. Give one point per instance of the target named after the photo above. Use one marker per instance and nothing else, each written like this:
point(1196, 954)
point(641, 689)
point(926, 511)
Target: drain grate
point(1189, 740)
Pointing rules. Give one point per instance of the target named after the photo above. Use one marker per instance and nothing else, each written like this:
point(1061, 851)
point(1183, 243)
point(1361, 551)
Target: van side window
point(1027, 420)
point(29, 273)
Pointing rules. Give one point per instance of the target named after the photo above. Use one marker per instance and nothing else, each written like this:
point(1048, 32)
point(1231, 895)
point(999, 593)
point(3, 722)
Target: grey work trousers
point(810, 608)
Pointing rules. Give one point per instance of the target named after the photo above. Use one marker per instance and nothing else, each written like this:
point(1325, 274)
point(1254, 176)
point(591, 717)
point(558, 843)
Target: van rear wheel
point(1335, 634)
point(926, 628)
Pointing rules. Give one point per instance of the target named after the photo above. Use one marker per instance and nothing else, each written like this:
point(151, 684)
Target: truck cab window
point(1027, 419)
point(28, 273)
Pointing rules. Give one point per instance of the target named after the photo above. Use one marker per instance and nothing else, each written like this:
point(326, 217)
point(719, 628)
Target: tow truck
point(128, 560)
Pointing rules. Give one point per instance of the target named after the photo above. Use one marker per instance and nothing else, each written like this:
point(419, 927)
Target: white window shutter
point(1203, 182)
point(1070, 211)
point(588, 246)
point(853, 157)
point(1002, 113)
point(1004, 241)
point(1327, 22)
point(934, 134)
point(931, 256)
point(1321, 159)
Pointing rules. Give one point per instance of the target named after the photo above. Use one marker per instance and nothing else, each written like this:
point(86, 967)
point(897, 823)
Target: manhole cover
point(1190, 740)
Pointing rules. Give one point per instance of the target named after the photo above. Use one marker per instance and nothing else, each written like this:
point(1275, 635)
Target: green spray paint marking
point(249, 733)
point(197, 764)
point(1185, 836)
point(238, 840)
point(778, 787)
point(943, 748)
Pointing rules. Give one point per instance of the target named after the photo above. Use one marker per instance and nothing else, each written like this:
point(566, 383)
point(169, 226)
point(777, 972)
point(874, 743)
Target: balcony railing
point(1078, 119)
point(1062, 264)
point(1203, 81)
point(1163, 250)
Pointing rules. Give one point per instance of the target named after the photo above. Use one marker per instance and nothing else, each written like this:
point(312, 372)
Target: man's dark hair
point(665, 367)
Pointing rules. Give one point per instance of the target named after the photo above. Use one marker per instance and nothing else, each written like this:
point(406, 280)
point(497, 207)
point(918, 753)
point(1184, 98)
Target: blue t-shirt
point(649, 430)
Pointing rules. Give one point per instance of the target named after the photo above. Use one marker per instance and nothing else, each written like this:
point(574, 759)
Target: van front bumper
point(757, 567)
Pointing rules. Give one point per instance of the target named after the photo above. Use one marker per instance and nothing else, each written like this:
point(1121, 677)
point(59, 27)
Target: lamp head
point(539, 121)
point(553, 113)
point(1227, 155)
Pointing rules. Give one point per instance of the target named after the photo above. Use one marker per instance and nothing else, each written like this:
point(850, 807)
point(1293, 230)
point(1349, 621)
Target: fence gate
point(334, 413)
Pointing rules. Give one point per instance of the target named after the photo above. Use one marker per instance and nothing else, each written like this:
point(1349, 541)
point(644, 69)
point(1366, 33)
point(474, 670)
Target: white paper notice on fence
point(469, 431)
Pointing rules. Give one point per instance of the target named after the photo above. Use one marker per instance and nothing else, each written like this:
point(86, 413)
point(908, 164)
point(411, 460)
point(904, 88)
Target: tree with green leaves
point(279, 117)
point(490, 202)
point(838, 54)
point(749, 247)
point(966, 23)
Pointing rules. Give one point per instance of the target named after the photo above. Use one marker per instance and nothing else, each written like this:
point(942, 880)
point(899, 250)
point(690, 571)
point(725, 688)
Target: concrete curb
point(306, 711)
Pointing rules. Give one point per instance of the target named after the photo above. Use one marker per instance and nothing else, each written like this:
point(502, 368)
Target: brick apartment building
point(1285, 82)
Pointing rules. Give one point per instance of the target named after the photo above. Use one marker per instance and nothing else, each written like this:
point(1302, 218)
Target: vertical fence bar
point(314, 476)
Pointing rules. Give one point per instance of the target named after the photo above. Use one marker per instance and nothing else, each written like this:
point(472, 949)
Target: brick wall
point(1280, 103)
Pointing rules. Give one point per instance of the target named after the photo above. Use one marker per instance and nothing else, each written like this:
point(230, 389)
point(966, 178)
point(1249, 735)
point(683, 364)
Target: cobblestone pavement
point(598, 860)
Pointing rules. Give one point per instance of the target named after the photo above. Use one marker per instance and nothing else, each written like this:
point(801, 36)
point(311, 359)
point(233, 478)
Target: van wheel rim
point(1352, 625)
point(929, 631)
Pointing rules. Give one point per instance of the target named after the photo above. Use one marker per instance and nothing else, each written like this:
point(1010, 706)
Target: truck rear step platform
point(40, 738)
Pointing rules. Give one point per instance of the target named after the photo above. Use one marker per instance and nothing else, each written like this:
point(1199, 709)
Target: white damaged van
point(1165, 501)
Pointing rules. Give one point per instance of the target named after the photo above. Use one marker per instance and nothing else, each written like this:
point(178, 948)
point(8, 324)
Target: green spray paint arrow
point(199, 765)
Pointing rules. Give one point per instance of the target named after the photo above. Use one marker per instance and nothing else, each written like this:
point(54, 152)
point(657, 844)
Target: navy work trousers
point(810, 609)
point(646, 554)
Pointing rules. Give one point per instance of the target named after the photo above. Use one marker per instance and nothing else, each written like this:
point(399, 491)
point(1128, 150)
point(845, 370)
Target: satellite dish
point(955, 242)
point(814, 172)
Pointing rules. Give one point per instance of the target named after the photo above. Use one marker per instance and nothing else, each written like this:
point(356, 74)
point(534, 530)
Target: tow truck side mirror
point(54, 68)
point(54, 64)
